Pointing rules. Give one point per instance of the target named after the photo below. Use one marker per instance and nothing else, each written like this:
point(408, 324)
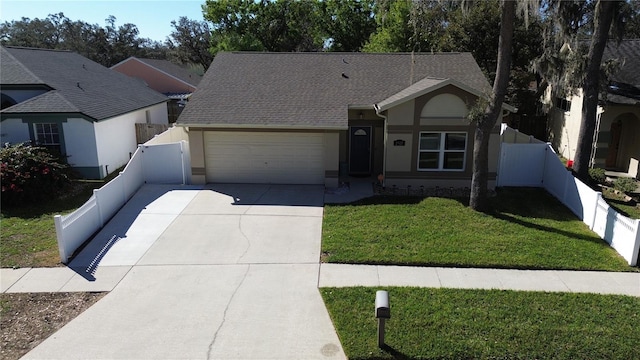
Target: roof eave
point(437, 86)
point(262, 127)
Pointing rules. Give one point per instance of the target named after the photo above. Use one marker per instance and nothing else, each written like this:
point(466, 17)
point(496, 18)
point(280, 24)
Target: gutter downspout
point(386, 133)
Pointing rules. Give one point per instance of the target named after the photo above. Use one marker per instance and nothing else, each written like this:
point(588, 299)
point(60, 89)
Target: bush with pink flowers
point(30, 174)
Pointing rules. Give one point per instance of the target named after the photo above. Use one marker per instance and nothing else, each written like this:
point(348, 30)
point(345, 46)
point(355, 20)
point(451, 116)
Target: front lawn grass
point(526, 228)
point(29, 233)
point(486, 324)
point(617, 202)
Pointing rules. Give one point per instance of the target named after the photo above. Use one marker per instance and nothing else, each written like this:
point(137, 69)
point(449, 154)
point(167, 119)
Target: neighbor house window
point(562, 104)
point(47, 135)
point(444, 151)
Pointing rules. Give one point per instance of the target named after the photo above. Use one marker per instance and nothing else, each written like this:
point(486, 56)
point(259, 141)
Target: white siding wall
point(80, 142)
point(159, 114)
point(564, 126)
point(14, 131)
point(116, 137)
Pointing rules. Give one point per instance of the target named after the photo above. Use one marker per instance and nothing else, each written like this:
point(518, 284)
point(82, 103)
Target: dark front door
point(360, 150)
point(614, 144)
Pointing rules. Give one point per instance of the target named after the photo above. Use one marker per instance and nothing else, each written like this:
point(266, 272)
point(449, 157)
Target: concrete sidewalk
point(344, 275)
point(232, 271)
point(220, 271)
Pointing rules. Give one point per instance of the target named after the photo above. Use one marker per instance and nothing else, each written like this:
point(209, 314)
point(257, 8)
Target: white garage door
point(264, 158)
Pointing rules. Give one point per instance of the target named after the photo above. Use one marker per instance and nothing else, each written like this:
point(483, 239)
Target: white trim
point(442, 151)
point(439, 85)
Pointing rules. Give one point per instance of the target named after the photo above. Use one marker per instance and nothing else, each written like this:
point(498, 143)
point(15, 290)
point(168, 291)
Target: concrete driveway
point(216, 272)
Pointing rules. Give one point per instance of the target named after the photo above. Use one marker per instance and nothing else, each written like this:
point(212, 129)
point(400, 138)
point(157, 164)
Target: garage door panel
point(283, 158)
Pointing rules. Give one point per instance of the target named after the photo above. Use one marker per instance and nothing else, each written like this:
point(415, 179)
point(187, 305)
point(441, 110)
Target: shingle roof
point(79, 84)
point(313, 90)
point(174, 70)
point(628, 52)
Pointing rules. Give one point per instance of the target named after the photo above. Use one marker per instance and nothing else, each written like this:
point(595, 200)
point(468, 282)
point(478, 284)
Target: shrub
point(625, 184)
point(597, 175)
point(30, 174)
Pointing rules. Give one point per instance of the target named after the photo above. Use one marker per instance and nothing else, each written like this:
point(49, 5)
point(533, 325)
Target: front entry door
point(614, 143)
point(360, 150)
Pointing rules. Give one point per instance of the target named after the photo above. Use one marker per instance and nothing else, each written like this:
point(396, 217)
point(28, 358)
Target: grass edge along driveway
point(486, 324)
point(526, 228)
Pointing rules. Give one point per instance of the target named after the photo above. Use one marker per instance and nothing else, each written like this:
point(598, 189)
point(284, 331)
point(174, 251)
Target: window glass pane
point(455, 141)
point(453, 160)
point(428, 160)
point(429, 141)
point(47, 134)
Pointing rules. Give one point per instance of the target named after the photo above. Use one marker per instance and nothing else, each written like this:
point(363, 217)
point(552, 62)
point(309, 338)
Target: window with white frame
point(442, 151)
point(47, 135)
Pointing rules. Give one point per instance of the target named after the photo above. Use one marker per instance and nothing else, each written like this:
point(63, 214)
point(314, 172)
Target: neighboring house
point(69, 103)
point(163, 76)
point(317, 118)
point(616, 144)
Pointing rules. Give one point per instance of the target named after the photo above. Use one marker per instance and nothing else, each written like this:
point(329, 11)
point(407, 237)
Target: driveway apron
point(233, 276)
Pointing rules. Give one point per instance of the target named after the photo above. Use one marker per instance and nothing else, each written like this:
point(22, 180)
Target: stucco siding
point(401, 114)
point(14, 131)
point(116, 140)
point(399, 157)
point(564, 127)
point(158, 114)
point(444, 105)
point(442, 111)
point(80, 142)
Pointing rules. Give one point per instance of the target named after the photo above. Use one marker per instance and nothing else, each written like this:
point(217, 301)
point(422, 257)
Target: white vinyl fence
point(174, 134)
point(537, 165)
point(151, 164)
point(513, 136)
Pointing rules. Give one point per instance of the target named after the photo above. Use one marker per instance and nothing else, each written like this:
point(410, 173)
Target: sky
point(152, 17)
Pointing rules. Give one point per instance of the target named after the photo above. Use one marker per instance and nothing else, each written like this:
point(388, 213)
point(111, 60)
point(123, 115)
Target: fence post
point(636, 247)
point(544, 167)
point(183, 162)
point(595, 210)
point(57, 219)
point(143, 162)
point(96, 194)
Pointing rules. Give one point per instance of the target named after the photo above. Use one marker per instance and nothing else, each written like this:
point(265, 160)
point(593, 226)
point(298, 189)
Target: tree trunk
point(590, 88)
point(478, 199)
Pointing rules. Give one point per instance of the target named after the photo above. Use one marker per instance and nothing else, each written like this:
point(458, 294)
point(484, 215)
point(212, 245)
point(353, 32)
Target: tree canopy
point(106, 45)
point(289, 25)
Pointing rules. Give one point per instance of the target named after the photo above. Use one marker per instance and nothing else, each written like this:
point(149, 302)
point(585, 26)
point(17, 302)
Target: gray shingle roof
point(79, 84)
point(629, 53)
point(313, 90)
point(174, 70)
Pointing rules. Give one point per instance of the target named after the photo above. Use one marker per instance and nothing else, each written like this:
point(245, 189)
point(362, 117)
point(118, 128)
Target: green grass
point(526, 229)
point(29, 232)
point(486, 324)
point(616, 201)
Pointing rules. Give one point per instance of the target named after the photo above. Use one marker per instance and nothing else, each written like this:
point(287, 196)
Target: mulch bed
point(26, 319)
